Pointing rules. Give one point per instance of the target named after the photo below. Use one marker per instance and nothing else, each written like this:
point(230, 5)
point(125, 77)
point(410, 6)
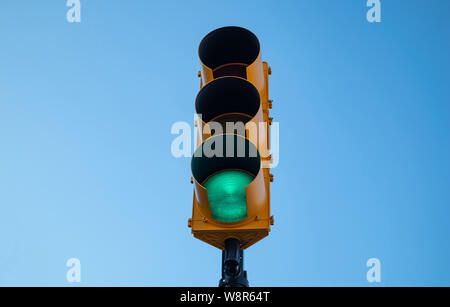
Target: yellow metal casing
point(248, 231)
point(233, 98)
point(231, 68)
point(244, 46)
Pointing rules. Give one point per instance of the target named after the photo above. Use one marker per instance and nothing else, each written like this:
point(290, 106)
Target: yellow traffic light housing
point(225, 156)
point(232, 105)
point(234, 51)
point(230, 166)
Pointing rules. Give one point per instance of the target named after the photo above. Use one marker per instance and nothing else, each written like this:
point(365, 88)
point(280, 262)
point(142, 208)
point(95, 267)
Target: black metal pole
point(233, 274)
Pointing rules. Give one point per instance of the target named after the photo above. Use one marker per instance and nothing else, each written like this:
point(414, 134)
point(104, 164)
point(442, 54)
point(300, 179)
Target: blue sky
point(86, 169)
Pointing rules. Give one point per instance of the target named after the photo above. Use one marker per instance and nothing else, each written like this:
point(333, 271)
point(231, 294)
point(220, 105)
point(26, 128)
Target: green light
point(226, 195)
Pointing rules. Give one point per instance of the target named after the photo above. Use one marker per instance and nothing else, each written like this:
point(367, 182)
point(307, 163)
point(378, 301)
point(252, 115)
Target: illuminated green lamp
point(226, 195)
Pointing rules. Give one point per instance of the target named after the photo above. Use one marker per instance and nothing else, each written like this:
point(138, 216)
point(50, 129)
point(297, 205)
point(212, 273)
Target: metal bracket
point(233, 274)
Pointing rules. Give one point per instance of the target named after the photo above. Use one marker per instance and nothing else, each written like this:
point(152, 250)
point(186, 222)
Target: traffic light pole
point(233, 274)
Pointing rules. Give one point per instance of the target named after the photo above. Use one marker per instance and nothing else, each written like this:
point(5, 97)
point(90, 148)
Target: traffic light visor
point(228, 99)
point(229, 45)
point(226, 175)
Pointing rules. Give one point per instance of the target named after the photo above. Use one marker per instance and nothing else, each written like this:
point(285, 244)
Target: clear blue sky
point(86, 169)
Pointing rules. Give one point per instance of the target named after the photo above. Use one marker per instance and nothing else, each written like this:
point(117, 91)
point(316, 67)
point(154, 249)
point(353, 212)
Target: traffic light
point(231, 163)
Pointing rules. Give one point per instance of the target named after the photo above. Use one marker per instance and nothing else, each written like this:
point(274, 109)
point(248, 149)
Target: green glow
point(226, 195)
